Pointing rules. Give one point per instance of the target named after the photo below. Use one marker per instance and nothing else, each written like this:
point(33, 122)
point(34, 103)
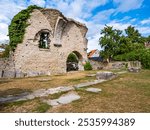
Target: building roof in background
point(91, 53)
point(99, 59)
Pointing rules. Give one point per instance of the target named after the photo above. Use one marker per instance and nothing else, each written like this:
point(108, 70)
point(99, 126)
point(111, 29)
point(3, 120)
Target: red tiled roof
point(91, 53)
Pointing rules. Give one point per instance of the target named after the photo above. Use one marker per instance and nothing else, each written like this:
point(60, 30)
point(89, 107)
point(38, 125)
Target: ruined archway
point(74, 61)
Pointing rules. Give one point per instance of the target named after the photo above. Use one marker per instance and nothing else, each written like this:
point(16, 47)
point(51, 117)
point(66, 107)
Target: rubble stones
point(105, 75)
point(134, 69)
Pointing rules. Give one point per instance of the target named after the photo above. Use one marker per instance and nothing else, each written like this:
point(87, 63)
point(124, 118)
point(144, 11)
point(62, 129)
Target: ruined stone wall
point(7, 67)
point(30, 60)
point(96, 65)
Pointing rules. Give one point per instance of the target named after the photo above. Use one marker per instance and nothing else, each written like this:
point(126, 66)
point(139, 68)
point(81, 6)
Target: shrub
point(88, 66)
point(142, 55)
point(145, 58)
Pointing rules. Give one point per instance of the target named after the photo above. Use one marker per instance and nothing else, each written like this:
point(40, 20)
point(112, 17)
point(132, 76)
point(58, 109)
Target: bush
point(145, 58)
point(88, 66)
point(142, 55)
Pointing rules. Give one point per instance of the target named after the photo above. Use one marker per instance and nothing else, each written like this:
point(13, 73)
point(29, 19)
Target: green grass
point(42, 107)
point(129, 92)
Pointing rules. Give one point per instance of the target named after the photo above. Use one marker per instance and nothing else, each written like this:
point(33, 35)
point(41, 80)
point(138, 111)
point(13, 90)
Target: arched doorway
point(74, 62)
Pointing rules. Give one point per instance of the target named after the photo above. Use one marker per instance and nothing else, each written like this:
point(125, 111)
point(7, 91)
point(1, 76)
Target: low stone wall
point(97, 65)
point(123, 64)
point(117, 65)
point(7, 68)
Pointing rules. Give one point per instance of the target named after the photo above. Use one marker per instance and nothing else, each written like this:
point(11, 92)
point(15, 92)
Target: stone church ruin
point(48, 40)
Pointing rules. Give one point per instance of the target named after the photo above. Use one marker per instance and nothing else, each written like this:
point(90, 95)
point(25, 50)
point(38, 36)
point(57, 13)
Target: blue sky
point(94, 13)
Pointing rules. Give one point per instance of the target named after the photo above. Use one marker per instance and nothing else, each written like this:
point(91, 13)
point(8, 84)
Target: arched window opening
point(44, 40)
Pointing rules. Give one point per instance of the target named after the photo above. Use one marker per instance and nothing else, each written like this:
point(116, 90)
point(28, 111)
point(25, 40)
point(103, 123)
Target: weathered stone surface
point(59, 89)
point(9, 74)
point(11, 98)
point(83, 84)
point(65, 99)
point(105, 75)
point(68, 98)
point(19, 74)
point(30, 96)
point(94, 90)
point(32, 74)
point(134, 69)
point(46, 92)
point(118, 65)
point(88, 83)
point(31, 60)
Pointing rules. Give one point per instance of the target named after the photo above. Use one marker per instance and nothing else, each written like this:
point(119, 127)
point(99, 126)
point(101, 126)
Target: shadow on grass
point(8, 97)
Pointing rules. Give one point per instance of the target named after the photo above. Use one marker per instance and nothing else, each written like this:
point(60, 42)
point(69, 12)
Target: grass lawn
point(129, 92)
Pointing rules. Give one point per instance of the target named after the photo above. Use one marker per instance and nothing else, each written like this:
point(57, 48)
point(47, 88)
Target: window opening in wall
point(44, 42)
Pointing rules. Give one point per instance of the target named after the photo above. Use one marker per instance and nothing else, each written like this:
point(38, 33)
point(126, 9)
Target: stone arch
point(41, 33)
point(37, 35)
point(59, 27)
point(78, 65)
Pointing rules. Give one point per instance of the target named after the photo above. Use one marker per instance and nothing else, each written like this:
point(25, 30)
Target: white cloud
point(9, 8)
point(127, 5)
point(118, 25)
point(37, 2)
point(4, 28)
point(146, 21)
point(103, 16)
point(93, 35)
point(144, 30)
point(76, 8)
point(3, 37)
point(80, 10)
point(93, 42)
point(4, 18)
point(3, 31)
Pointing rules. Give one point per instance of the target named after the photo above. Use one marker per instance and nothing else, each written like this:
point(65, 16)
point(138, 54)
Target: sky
point(94, 13)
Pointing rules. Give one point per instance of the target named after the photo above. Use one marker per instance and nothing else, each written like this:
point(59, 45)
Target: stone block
point(105, 75)
point(134, 69)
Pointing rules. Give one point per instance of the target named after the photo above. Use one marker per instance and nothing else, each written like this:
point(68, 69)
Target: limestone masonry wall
point(66, 36)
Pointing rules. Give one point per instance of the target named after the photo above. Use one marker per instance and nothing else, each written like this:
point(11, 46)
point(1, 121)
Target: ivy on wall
point(18, 26)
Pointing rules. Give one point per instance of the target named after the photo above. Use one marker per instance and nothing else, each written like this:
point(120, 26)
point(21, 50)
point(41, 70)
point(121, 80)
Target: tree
point(72, 58)
point(110, 42)
point(133, 35)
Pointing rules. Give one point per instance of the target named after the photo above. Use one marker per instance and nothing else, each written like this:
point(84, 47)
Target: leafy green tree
point(110, 41)
point(133, 34)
